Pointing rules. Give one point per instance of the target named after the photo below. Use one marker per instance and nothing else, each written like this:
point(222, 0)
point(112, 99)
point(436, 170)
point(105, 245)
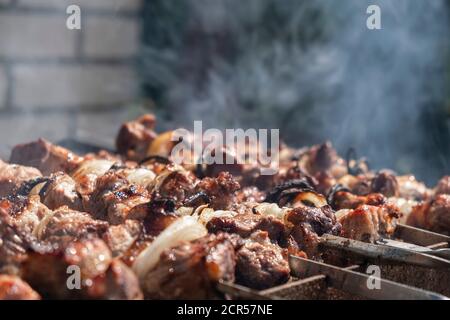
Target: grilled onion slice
point(92, 167)
point(186, 228)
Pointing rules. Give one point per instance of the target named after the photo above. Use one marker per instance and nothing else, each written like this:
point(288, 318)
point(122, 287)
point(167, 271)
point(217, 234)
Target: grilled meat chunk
point(385, 183)
point(221, 190)
point(13, 247)
point(14, 288)
point(45, 156)
point(12, 176)
point(260, 263)
point(443, 186)
point(135, 137)
point(247, 223)
point(54, 271)
point(65, 225)
point(120, 238)
point(307, 224)
point(61, 190)
point(368, 223)
point(347, 200)
point(115, 200)
point(190, 270)
point(433, 215)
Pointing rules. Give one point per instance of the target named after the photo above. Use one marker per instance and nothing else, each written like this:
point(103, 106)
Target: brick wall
point(59, 83)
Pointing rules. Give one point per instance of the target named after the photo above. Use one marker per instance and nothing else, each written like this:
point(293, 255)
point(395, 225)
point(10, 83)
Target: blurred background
point(310, 68)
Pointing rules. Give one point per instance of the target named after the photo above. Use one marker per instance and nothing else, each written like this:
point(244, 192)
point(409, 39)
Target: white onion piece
point(156, 184)
point(271, 209)
point(141, 177)
point(94, 167)
point(208, 214)
point(39, 229)
point(184, 211)
point(186, 228)
point(341, 213)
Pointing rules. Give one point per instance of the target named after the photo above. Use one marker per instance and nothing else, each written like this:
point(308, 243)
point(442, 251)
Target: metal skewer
point(381, 252)
point(357, 283)
point(443, 253)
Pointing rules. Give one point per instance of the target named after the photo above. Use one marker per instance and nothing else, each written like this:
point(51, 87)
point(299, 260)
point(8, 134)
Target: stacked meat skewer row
point(139, 226)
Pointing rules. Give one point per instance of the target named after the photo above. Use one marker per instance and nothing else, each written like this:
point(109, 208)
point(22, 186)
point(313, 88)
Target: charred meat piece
point(114, 199)
point(443, 186)
point(307, 224)
point(134, 137)
point(191, 270)
point(45, 156)
point(347, 200)
point(247, 223)
point(61, 190)
point(12, 176)
point(385, 183)
point(433, 215)
point(221, 190)
point(260, 263)
point(25, 212)
point(174, 183)
point(64, 225)
point(368, 223)
point(160, 213)
point(54, 272)
point(14, 288)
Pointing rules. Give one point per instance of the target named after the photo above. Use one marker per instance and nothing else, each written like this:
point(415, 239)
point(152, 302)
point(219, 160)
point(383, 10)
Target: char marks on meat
point(12, 176)
point(190, 270)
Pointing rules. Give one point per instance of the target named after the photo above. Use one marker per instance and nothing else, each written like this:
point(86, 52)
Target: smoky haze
point(311, 69)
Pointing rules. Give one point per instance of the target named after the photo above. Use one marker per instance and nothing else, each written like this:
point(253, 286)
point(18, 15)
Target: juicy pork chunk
point(45, 156)
point(115, 199)
point(191, 269)
point(60, 190)
point(221, 190)
point(13, 175)
point(246, 224)
point(49, 271)
point(306, 224)
point(260, 263)
point(65, 225)
point(368, 223)
point(120, 238)
point(135, 137)
point(433, 215)
point(14, 288)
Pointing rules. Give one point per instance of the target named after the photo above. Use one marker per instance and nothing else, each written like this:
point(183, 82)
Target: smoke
point(311, 69)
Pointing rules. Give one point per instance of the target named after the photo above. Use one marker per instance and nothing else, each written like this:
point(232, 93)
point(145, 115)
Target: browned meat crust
point(190, 270)
point(135, 137)
point(49, 272)
point(12, 176)
point(14, 288)
point(45, 156)
point(433, 215)
point(261, 264)
point(221, 190)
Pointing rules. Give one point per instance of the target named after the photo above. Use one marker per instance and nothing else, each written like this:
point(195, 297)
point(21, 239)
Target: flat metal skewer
point(419, 236)
point(357, 283)
point(381, 252)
